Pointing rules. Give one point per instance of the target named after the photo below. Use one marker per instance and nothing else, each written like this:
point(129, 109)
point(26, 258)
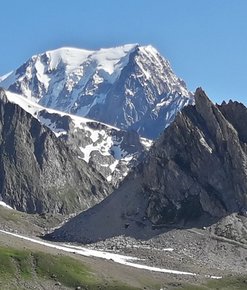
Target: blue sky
point(204, 40)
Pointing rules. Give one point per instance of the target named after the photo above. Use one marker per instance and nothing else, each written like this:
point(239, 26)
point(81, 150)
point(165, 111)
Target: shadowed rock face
point(38, 173)
point(197, 169)
point(236, 114)
point(199, 165)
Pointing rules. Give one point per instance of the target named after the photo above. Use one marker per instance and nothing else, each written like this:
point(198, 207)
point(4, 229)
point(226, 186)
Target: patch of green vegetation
point(65, 269)
point(25, 264)
point(149, 283)
point(72, 273)
point(14, 262)
point(6, 265)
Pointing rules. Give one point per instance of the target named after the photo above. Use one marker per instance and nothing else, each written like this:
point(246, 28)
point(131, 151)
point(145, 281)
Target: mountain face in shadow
point(38, 172)
point(196, 170)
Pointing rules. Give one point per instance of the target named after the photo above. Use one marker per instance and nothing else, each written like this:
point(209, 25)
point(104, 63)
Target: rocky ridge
point(200, 164)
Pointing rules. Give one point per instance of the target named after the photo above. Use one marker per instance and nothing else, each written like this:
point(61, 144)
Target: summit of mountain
point(129, 87)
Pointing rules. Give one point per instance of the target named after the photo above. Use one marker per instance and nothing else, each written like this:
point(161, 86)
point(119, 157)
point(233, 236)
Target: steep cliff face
point(197, 169)
point(199, 165)
point(236, 114)
point(38, 172)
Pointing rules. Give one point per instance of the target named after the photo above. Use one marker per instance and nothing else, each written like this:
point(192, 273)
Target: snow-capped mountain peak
point(65, 68)
point(129, 86)
point(106, 59)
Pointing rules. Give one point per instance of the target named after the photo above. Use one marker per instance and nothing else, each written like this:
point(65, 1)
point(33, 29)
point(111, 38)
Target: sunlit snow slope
point(130, 86)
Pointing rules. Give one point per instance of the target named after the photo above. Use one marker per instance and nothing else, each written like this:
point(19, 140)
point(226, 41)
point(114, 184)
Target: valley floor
point(177, 259)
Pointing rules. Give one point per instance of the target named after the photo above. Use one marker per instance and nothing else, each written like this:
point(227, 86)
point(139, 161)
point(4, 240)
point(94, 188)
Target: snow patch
point(213, 277)
point(5, 205)
point(87, 151)
point(147, 143)
point(205, 144)
point(42, 77)
point(33, 108)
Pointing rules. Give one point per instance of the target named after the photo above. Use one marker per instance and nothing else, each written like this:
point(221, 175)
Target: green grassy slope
point(27, 265)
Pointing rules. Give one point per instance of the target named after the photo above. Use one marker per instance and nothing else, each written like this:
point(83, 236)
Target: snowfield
point(5, 205)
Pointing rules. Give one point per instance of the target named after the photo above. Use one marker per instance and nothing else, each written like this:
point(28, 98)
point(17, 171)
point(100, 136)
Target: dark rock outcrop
point(38, 172)
point(197, 170)
point(199, 165)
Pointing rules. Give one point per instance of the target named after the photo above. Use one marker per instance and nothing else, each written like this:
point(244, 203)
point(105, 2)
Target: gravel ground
point(194, 250)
